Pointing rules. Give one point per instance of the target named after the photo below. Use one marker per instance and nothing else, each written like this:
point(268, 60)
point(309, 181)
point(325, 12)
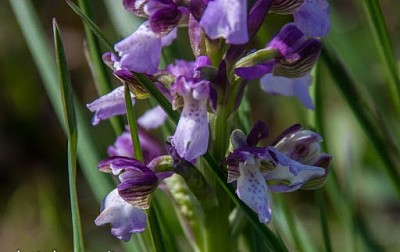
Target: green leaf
point(69, 112)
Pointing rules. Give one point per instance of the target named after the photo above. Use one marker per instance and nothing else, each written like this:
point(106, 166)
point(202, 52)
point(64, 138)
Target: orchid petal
point(252, 190)
point(141, 51)
point(125, 219)
point(279, 85)
point(313, 18)
point(108, 105)
point(290, 175)
point(226, 19)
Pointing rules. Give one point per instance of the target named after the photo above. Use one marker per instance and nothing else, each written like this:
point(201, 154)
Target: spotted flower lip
point(192, 132)
point(293, 162)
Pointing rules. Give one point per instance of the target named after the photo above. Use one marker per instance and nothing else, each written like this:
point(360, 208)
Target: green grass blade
point(132, 124)
point(69, 113)
point(99, 183)
point(384, 46)
point(380, 142)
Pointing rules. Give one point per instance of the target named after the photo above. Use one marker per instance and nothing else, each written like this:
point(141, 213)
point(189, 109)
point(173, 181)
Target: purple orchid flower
point(289, 73)
point(192, 132)
point(123, 207)
point(276, 168)
point(226, 19)
point(125, 218)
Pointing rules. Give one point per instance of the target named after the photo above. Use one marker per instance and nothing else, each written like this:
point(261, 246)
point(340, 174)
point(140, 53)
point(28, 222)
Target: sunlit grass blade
point(384, 46)
point(133, 124)
point(69, 113)
point(362, 112)
point(99, 183)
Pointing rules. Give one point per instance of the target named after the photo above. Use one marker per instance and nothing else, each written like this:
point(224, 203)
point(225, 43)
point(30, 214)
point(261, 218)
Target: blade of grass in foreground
point(69, 113)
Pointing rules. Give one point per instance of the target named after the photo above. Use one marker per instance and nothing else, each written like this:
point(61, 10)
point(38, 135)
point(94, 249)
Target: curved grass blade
point(362, 112)
point(69, 113)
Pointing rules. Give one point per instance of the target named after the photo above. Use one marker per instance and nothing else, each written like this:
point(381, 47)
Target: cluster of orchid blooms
point(219, 32)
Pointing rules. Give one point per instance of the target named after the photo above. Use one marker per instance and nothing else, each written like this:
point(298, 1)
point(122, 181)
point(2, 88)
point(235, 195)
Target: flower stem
point(133, 125)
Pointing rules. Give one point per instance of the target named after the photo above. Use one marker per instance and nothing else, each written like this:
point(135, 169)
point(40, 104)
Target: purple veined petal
point(125, 219)
point(256, 71)
point(279, 85)
point(226, 19)
point(290, 175)
point(253, 191)
point(152, 118)
point(108, 105)
point(117, 164)
point(136, 186)
point(313, 18)
point(164, 16)
point(192, 132)
point(287, 40)
point(289, 131)
point(141, 51)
